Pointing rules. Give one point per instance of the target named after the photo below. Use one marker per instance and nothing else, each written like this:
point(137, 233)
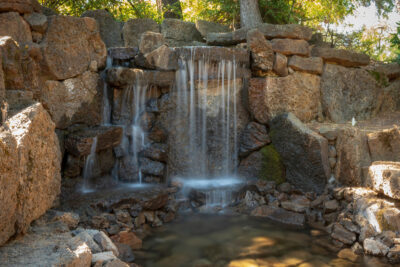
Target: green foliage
point(395, 42)
point(272, 166)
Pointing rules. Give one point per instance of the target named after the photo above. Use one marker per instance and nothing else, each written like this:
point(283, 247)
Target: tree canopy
point(321, 15)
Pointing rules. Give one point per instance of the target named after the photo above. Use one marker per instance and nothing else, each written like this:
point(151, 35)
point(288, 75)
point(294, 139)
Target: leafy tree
point(395, 41)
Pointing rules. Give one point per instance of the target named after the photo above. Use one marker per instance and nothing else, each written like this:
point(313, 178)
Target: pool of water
point(236, 240)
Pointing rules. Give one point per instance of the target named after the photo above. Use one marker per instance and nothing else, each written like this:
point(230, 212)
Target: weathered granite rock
point(265, 164)
point(343, 57)
point(270, 31)
point(177, 32)
point(280, 65)
point(348, 93)
point(2, 82)
point(297, 93)
point(290, 47)
point(74, 100)
point(304, 152)
point(279, 215)
point(253, 137)
point(128, 238)
point(206, 27)
point(120, 77)
point(163, 58)
point(261, 51)
point(134, 28)
point(13, 25)
point(384, 145)
point(11, 63)
point(35, 173)
point(9, 185)
point(79, 143)
point(384, 177)
point(313, 65)
point(70, 45)
point(394, 254)
point(37, 21)
point(352, 156)
point(150, 41)
point(110, 29)
point(20, 6)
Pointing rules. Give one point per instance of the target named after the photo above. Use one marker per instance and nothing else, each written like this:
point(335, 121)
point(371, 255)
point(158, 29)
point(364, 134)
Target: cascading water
point(88, 168)
point(128, 167)
point(106, 116)
point(206, 111)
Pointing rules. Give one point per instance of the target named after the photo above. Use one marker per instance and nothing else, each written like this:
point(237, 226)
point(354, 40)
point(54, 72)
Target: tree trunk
point(250, 16)
point(170, 8)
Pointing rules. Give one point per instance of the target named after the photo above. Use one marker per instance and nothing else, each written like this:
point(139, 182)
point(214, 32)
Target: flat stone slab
point(343, 57)
point(121, 76)
point(270, 31)
point(122, 53)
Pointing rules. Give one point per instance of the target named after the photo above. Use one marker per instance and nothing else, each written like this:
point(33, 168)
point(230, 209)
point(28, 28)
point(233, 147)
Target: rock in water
point(304, 153)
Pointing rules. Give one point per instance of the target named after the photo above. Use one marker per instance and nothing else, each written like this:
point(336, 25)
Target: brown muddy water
point(203, 240)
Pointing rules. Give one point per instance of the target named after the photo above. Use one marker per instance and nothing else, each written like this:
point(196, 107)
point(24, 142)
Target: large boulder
point(391, 70)
point(261, 51)
point(206, 27)
point(163, 58)
point(265, 164)
point(110, 29)
point(253, 137)
point(70, 45)
point(32, 183)
point(352, 155)
point(384, 177)
point(384, 145)
point(133, 29)
point(9, 185)
point(20, 6)
point(74, 100)
point(340, 56)
point(298, 93)
point(304, 153)
point(348, 93)
point(179, 33)
point(13, 25)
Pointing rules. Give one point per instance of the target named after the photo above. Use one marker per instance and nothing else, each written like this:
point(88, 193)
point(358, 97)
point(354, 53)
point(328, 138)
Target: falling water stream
point(202, 104)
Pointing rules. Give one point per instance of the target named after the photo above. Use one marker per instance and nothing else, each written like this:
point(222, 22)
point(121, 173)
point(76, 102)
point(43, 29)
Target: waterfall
point(199, 106)
point(106, 112)
point(206, 112)
point(89, 165)
point(127, 168)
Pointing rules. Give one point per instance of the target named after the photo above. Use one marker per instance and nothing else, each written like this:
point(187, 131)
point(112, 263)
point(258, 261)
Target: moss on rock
point(272, 166)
